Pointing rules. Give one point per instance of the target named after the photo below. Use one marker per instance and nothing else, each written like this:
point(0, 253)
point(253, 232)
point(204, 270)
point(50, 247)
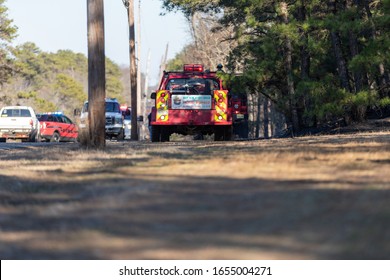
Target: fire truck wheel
point(165, 136)
point(223, 133)
point(228, 133)
point(241, 129)
point(156, 133)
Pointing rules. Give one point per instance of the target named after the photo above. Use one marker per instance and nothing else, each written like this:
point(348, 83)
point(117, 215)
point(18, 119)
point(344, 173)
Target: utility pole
point(139, 97)
point(139, 59)
point(96, 75)
point(146, 95)
point(163, 64)
point(129, 4)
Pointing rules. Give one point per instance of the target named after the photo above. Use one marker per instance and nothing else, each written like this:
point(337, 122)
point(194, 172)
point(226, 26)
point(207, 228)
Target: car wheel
point(121, 136)
point(55, 137)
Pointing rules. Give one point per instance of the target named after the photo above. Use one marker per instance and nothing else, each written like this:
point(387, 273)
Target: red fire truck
point(191, 102)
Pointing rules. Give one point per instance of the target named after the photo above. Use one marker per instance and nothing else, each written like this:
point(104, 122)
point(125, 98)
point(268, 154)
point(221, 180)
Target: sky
point(62, 25)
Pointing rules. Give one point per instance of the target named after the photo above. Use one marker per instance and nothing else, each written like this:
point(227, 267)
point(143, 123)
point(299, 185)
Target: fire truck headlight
point(162, 117)
point(220, 117)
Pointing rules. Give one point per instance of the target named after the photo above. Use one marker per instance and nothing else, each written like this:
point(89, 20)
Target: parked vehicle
point(114, 119)
point(196, 102)
point(126, 113)
point(56, 127)
point(19, 122)
point(240, 115)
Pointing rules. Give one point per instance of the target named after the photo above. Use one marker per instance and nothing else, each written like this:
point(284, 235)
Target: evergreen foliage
point(319, 61)
point(7, 33)
point(54, 81)
point(46, 81)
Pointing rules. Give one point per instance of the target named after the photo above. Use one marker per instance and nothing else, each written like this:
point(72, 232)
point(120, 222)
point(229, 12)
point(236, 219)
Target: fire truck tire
point(228, 133)
point(165, 134)
point(156, 133)
point(223, 133)
point(241, 129)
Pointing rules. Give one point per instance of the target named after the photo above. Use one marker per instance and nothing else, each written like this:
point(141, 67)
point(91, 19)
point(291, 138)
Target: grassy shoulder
point(310, 197)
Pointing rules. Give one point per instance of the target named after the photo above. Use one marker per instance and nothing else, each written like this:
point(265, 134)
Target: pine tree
point(7, 34)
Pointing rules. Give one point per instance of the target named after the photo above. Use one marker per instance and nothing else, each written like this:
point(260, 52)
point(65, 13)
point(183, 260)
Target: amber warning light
point(193, 68)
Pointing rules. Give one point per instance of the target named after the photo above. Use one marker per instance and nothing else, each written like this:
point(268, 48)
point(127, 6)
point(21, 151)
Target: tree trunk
point(133, 72)
point(384, 77)
point(304, 100)
point(305, 55)
point(354, 49)
point(289, 71)
point(258, 115)
point(340, 60)
point(266, 118)
point(96, 76)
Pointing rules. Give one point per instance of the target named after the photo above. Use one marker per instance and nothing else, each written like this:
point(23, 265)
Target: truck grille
point(110, 120)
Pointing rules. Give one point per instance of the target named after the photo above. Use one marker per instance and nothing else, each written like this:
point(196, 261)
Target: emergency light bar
point(53, 113)
point(193, 68)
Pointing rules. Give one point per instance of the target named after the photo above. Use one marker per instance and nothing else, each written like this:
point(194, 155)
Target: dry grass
point(305, 198)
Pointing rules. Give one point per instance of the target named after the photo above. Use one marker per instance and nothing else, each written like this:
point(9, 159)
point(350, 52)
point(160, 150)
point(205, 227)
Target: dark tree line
point(318, 61)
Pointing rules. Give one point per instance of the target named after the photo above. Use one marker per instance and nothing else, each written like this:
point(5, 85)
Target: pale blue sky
point(62, 24)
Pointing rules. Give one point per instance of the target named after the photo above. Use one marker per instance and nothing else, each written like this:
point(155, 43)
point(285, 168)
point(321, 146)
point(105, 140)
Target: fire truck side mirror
point(153, 95)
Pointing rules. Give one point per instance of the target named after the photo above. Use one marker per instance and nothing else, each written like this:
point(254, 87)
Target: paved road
point(15, 145)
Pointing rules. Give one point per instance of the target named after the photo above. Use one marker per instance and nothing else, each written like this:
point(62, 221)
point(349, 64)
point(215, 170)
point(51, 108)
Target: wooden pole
point(139, 60)
point(96, 75)
point(133, 71)
point(139, 95)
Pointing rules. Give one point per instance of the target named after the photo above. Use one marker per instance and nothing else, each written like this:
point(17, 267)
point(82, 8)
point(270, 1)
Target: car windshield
point(49, 118)
point(195, 85)
point(16, 113)
point(113, 107)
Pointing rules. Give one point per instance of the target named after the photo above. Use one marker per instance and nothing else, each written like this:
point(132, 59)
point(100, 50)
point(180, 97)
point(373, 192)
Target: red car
point(56, 127)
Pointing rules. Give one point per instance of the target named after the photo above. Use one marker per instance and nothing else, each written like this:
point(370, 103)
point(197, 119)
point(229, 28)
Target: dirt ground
point(323, 197)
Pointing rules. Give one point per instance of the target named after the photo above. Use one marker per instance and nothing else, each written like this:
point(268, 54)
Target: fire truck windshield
point(192, 86)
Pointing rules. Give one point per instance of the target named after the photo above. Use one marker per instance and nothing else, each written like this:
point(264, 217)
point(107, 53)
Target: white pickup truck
point(19, 122)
